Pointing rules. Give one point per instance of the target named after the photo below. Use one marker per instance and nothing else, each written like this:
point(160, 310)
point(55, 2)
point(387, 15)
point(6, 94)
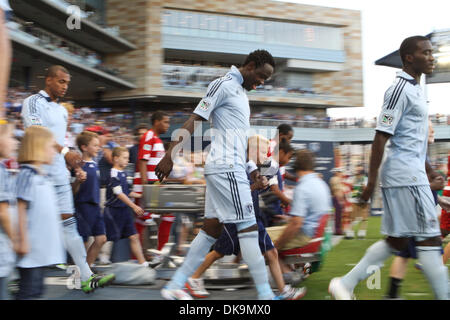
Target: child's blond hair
point(33, 142)
point(117, 151)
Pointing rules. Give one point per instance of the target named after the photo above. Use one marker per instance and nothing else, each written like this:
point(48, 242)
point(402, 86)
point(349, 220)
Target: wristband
point(64, 151)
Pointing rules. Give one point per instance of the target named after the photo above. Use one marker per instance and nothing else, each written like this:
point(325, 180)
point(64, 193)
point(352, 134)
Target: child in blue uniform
point(87, 197)
point(228, 243)
point(40, 228)
point(119, 220)
point(7, 258)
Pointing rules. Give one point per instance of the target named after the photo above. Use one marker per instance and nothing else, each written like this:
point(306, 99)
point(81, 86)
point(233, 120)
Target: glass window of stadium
point(196, 24)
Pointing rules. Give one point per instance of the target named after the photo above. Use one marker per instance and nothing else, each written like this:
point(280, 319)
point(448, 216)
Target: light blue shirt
point(404, 116)
point(226, 106)
point(40, 110)
point(312, 199)
point(44, 227)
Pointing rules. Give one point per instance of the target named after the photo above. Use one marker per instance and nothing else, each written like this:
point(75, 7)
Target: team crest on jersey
point(147, 147)
point(35, 121)
point(249, 208)
point(204, 105)
point(387, 119)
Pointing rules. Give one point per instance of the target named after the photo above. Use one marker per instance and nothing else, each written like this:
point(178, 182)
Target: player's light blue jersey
point(226, 106)
point(38, 109)
point(404, 116)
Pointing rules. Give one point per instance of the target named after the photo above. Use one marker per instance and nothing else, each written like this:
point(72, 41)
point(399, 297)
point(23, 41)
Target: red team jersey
point(151, 149)
point(445, 215)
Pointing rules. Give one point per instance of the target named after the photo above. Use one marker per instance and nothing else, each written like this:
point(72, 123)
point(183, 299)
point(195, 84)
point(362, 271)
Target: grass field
point(341, 259)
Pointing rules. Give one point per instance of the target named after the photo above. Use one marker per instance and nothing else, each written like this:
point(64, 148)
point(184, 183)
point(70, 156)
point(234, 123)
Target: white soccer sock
point(251, 253)
point(75, 246)
point(375, 256)
point(194, 258)
point(434, 269)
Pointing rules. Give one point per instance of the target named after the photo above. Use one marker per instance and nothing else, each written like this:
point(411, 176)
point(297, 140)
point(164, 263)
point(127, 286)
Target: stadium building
point(144, 55)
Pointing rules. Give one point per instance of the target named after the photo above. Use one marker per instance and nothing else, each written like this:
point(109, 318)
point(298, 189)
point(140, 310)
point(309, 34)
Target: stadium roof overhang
point(441, 45)
point(54, 18)
point(30, 62)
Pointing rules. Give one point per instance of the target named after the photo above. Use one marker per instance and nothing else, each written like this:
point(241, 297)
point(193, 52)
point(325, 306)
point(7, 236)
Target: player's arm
point(437, 182)
point(80, 176)
point(289, 176)
point(124, 198)
point(107, 154)
point(279, 194)
point(118, 191)
point(165, 166)
point(376, 157)
point(142, 166)
point(211, 101)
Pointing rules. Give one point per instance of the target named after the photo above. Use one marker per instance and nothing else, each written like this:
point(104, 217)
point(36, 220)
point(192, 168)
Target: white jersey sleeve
point(212, 99)
point(395, 101)
point(32, 111)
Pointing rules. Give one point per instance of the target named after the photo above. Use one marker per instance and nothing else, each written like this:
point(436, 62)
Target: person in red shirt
point(151, 151)
point(445, 215)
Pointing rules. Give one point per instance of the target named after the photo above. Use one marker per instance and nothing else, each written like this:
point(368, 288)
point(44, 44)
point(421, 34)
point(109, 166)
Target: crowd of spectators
point(199, 76)
point(29, 32)
point(122, 123)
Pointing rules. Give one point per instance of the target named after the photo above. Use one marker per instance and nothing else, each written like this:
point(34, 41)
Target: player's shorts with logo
point(409, 212)
point(228, 197)
point(228, 242)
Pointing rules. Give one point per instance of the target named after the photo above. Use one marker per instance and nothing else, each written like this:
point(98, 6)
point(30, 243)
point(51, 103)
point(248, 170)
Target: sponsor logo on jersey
point(387, 119)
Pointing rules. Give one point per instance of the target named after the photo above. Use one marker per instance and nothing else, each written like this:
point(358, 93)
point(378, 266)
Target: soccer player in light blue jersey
point(228, 195)
point(43, 109)
point(409, 207)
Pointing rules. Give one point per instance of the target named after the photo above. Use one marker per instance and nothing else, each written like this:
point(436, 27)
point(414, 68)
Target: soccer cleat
point(362, 234)
point(350, 234)
point(196, 288)
point(175, 294)
point(96, 281)
point(338, 291)
point(292, 293)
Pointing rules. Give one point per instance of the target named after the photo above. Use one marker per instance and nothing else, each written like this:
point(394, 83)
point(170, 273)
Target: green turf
point(341, 259)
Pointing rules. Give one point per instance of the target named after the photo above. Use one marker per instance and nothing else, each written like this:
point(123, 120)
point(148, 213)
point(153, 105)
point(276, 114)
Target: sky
point(385, 23)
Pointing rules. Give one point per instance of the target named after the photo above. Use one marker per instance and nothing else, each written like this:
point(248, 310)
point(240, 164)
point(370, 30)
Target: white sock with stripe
point(75, 246)
point(194, 258)
point(251, 253)
point(434, 269)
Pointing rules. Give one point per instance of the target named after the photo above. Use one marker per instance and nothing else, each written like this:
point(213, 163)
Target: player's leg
point(362, 230)
point(396, 276)
point(248, 241)
point(136, 248)
point(429, 243)
point(446, 254)
point(164, 230)
point(376, 254)
point(210, 258)
point(72, 240)
point(430, 256)
point(95, 248)
point(199, 248)
point(194, 284)
point(125, 224)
